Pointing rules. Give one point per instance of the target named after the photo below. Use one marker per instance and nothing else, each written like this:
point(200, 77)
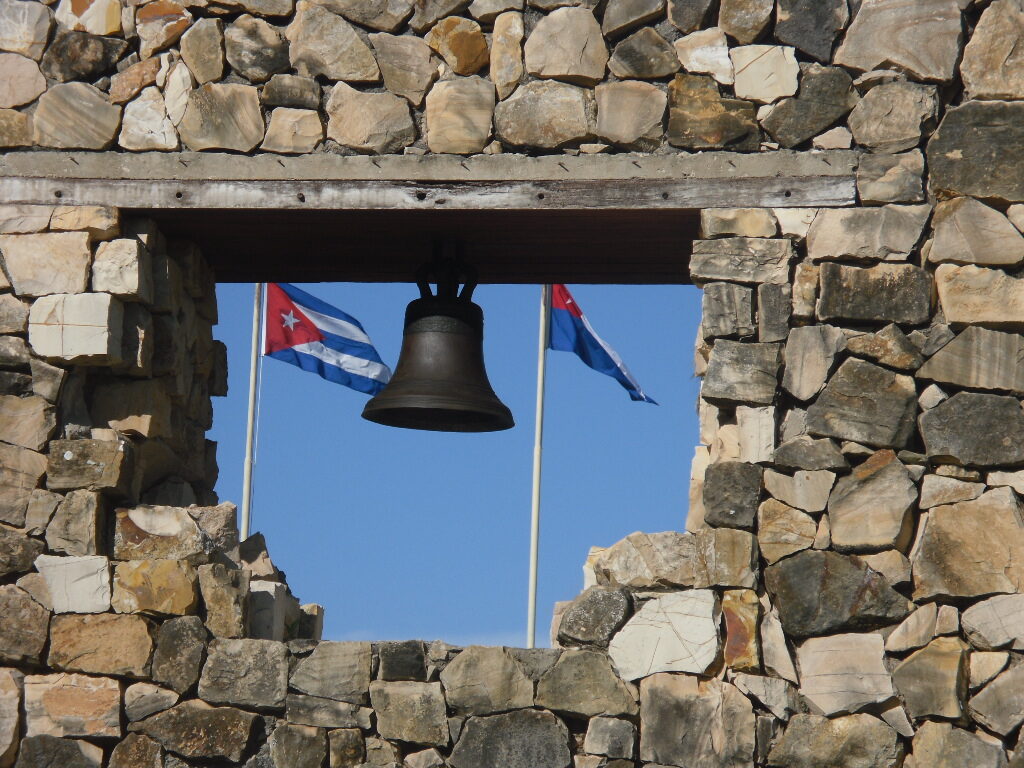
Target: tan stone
point(741, 611)
point(146, 126)
point(870, 509)
point(101, 222)
point(999, 706)
point(158, 532)
point(461, 43)
point(293, 131)
point(975, 295)
point(225, 598)
point(64, 705)
point(891, 563)
point(369, 122)
point(159, 24)
point(163, 587)
point(706, 52)
point(985, 665)
point(889, 233)
point(202, 49)
point(23, 219)
point(997, 622)
point(406, 65)
point(765, 73)
point(991, 68)
point(26, 421)
point(42, 264)
point(459, 115)
point(177, 91)
point(567, 45)
point(843, 673)
point(123, 267)
point(135, 407)
point(783, 530)
point(774, 650)
point(15, 128)
point(220, 116)
point(482, 680)
point(127, 83)
point(893, 117)
point(75, 116)
point(21, 82)
point(20, 472)
point(737, 222)
point(545, 115)
point(97, 17)
point(80, 328)
point(507, 52)
point(744, 19)
point(11, 686)
point(323, 43)
point(969, 232)
point(144, 699)
point(806, 490)
point(937, 490)
point(25, 27)
point(810, 356)
point(102, 644)
point(78, 526)
point(933, 679)
point(631, 114)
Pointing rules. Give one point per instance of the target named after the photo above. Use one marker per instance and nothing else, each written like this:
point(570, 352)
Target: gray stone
point(24, 629)
point(194, 729)
point(77, 527)
point(137, 751)
point(774, 308)
point(644, 54)
point(889, 347)
point(459, 115)
point(979, 359)
point(26, 28)
point(811, 25)
point(297, 746)
point(688, 15)
point(521, 739)
point(807, 453)
point(326, 713)
point(941, 745)
point(843, 673)
point(999, 706)
point(732, 490)
point(220, 116)
point(583, 683)
point(402, 661)
point(346, 746)
point(975, 429)
point(567, 45)
point(869, 510)
point(75, 55)
point(179, 654)
point(774, 694)
point(741, 259)
point(405, 64)
point(610, 737)
point(323, 43)
point(985, 665)
point(867, 404)
point(334, 670)
point(410, 712)
point(826, 94)
point(727, 310)
point(743, 373)
point(46, 750)
point(291, 91)
point(75, 116)
point(969, 232)
point(255, 49)
point(144, 699)
point(810, 354)
point(891, 178)
point(852, 741)
point(920, 39)
point(990, 68)
point(246, 673)
point(866, 234)
point(701, 118)
point(545, 114)
point(428, 12)
point(594, 616)
point(893, 117)
point(379, 123)
point(783, 530)
point(971, 548)
point(997, 622)
point(686, 722)
point(202, 49)
point(745, 19)
point(481, 680)
point(621, 16)
point(933, 680)
point(804, 490)
point(819, 593)
point(225, 592)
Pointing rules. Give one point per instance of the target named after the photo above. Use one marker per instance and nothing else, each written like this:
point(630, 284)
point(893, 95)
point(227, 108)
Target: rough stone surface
point(481, 681)
point(72, 706)
point(644, 54)
point(783, 530)
point(202, 50)
point(999, 706)
point(811, 25)
point(742, 259)
point(898, 293)
point(194, 729)
point(825, 95)
point(145, 124)
point(975, 295)
point(745, 373)
point(843, 673)
point(990, 68)
point(24, 629)
point(567, 45)
point(741, 611)
point(732, 490)
point(334, 670)
point(144, 699)
point(674, 633)
point(622, 16)
point(819, 593)
point(866, 234)
point(686, 722)
point(405, 64)
point(26, 28)
point(80, 56)
point(630, 114)
point(969, 232)
point(700, 118)
point(159, 24)
point(459, 115)
point(51, 750)
point(705, 52)
point(583, 683)
point(891, 178)
point(225, 596)
point(943, 745)
point(11, 686)
point(810, 355)
point(744, 19)
point(869, 509)
point(293, 131)
point(101, 644)
point(21, 82)
point(369, 122)
point(997, 622)
point(255, 49)
point(506, 53)
point(893, 117)
point(82, 328)
point(728, 310)
point(545, 114)
point(804, 490)
point(162, 587)
point(979, 359)
point(851, 741)
point(594, 616)
point(933, 680)
point(411, 712)
point(222, 116)
point(17, 552)
point(246, 673)
point(461, 43)
point(520, 739)
point(764, 73)
point(975, 429)
point(76, 584)
point(324, 43)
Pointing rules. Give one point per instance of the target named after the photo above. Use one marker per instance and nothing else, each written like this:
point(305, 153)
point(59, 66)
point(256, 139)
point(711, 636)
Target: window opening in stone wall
point(405, 534)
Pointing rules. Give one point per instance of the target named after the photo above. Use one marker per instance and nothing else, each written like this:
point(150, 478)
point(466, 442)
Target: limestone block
point(293, 131)
point(737, 222)
point(544, 114)
point(482, 681)
point(804, 490)
point(741, 611)
point(458, 115)
point(774, 694)
point(811, 25)
point(843, 673)
point(15, 129)
point(27, 422)
point(246, 673)
point(920, 39)
point(999, 706)
point(943, 745)
point(255, 49)
point(11, 687)
point(76, 584)
point(630, 114)
point(81, 328)
point(324, 43)
point(645, 54)
point(933, 679)
point(335, 670)
point(65, 705)
point(159, 25)
point(17, 551)
point(524, 739)
point(567, 45)
point(680, 714)
point(915, 631)
point(506, 53)
point(622, 16)
point(24, 219)
point(977, 296)
point(810, 354)
point(610, 737)
point(100, 221)
point(970, 549)
point(179, 654)
point(202, 49)
point(677, 632)
point(985, 665)
point(893, 117)
point(765, 73)
point(701, 118)
point(123, 267)
point(272, 610)
point(783, 530)
point(301, 746)
point(688, 15)
point(162, 587)
point(146, 125)
point(806, 452)
point(461, 43)
point(42, 264)
point(144, 699)
point(742, 260)
point(402, 661)
point(24, 629)
point(805, 290)
point(744, 19)
point(742, 373)
point(21, 82)
point(51, 750)
point(870, 509)
point(101, 644)
point(20, 472)
point(154, 532)
point(129, 82)
point(890, 347)
point(969, 232)
point(889, 233)
point(225, 596)
point(137, 751)
point(706, 52)
point(997, 622)
point(487, 11)
point(25, 28)
point(222, 116)
point(849, 741)
point(583, 683)
point(980, 359)
point(177, 92)
point(728, 309)
point(818, 593)
point(326, 713)
point(891, 178)
point(756, 428)
point(256, 559)
point(75, 116)
point(194, 729)
point(346, 747)
point(865, 403)
point(937, 490)
point(92, 464)
point(369, 122)
point(974, 429)
point(989, 68)
point(410, 711)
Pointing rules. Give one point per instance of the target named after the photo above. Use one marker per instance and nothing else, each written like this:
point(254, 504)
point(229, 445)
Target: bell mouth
point(441, 419)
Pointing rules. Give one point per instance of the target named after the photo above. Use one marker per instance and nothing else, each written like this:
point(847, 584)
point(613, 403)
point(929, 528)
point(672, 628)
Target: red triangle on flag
point(286, 324)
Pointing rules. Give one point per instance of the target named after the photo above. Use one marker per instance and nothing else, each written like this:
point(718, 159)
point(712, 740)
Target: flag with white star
point(303, 330)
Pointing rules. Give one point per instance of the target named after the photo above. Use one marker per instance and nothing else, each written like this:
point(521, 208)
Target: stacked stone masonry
point(849, 592)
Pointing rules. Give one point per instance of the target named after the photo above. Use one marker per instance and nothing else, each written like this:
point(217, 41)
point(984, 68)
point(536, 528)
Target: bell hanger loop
point(447, 270)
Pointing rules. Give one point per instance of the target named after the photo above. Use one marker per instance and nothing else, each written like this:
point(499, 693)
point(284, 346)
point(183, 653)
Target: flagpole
point(538, 447)
point(250, 426)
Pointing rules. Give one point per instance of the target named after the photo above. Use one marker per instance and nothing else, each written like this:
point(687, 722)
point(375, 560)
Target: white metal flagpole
point(538, 446)
point(250, 427)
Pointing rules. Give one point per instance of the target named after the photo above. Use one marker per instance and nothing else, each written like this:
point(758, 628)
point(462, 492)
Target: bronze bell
point(440, 383)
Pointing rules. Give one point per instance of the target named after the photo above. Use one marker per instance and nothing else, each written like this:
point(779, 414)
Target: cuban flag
point(304, 331)
point(572, 332)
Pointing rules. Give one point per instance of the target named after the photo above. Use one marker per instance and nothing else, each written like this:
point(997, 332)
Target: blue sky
point(403, 534)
